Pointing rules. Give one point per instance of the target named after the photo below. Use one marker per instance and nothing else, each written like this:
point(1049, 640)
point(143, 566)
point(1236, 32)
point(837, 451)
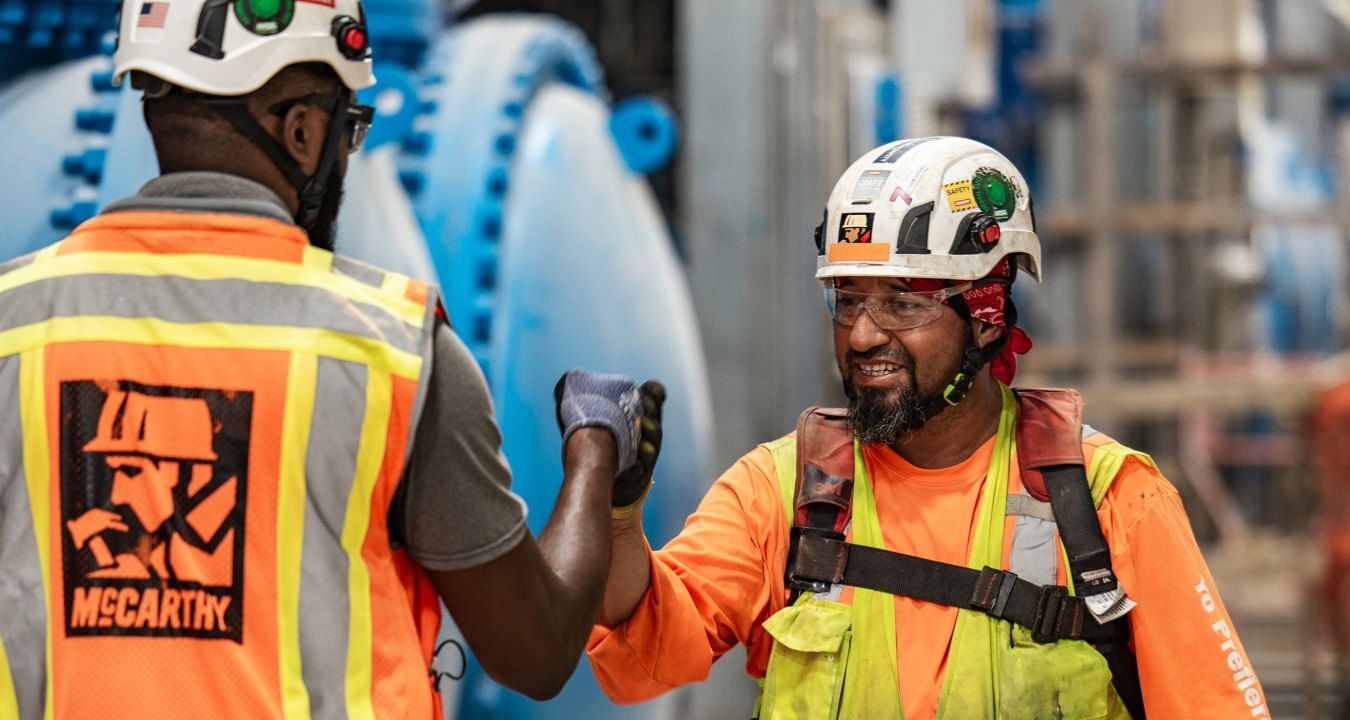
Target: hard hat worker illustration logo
point(856, 228)
point(153, 535)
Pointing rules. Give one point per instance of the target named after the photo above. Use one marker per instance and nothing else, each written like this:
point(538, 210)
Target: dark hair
point(188, 132)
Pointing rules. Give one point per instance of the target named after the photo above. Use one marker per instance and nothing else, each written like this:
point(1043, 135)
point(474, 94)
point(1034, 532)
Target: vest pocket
point(805, 676)
point(1064, 679)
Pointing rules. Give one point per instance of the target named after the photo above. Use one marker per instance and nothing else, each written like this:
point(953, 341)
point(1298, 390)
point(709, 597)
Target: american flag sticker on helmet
point(153, 15)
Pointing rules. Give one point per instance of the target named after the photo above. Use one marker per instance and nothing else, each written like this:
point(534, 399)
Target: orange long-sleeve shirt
point(722, 576)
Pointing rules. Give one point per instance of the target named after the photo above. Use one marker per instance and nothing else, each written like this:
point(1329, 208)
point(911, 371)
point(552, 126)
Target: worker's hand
point(589, 399)
point(93, 522)
point(631, 486)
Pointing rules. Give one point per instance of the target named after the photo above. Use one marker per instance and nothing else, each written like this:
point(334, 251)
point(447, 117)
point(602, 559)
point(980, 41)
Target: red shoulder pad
point(824, 465)
point(1049, 432)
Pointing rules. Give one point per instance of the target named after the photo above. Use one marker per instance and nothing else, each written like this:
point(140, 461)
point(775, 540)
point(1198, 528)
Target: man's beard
point(881, 417)
point(323, 233)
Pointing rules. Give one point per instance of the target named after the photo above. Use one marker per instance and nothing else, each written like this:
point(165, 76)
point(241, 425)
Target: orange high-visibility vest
point(204, 423)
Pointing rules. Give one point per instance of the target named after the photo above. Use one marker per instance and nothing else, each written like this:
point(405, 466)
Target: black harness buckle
point(992, 590)
point(816, 559)
point(1050, 615)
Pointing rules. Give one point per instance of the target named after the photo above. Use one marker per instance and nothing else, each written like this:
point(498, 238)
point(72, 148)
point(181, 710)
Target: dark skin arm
point(527, 614)
point(630, 571)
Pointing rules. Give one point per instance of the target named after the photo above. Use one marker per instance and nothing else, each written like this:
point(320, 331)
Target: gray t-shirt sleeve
point(458, 508)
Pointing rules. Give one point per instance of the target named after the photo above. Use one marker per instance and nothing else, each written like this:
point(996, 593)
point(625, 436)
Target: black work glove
point(631, 485)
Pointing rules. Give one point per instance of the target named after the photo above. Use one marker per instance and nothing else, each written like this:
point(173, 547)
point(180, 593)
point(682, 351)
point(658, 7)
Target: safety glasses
point(892, 310)
point(358, 117)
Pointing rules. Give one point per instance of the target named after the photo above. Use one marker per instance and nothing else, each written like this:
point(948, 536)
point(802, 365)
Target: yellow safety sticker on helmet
point(960, 196)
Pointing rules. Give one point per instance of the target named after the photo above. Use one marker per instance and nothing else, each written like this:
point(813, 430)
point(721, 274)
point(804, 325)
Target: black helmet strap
point(309, 189)
point(973, 357)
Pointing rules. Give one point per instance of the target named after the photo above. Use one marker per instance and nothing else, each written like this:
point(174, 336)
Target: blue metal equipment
point(495, 168)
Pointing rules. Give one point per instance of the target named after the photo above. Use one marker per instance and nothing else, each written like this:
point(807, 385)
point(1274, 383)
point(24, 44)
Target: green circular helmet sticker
point(995, 193)
point(264, 17)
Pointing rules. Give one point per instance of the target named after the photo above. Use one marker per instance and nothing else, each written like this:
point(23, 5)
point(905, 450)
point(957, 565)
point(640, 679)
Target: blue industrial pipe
point(495, 168)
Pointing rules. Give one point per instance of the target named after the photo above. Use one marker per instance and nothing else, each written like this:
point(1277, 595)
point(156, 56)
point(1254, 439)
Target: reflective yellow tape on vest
point(301, 382)
point(9, 700)
point(37, 467)
point(152, 331)
point(215, 267)
point(357, 523)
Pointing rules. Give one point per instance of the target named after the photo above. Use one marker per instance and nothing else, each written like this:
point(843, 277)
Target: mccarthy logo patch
point(151, 607)
point(152, 507)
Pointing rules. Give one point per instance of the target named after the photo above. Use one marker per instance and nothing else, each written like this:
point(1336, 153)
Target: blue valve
point(645, 130)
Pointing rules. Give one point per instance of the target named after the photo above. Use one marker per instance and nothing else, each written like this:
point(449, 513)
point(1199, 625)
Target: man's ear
point(304, 128)
point(986, 333)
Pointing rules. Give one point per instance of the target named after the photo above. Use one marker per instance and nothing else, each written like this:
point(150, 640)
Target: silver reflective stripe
point(178, 299)
point(1033, 555)
point(359, 271)
point(1024, 504)
point(330, 469)
point(17, 263)
point(428, 351)
point(23, 610)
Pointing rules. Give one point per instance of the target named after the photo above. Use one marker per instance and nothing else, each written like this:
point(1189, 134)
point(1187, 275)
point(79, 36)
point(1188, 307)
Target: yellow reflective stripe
point(37, 466)
point(784, 451)
point(379, 391)
point(1106, 462)
point(394, 284)
point(153, 331)
point(973, 657)
point(48, 252)
point(315, 272)
point(9, 699)
point(301, 381)
point(316, 259)
point(866, 524)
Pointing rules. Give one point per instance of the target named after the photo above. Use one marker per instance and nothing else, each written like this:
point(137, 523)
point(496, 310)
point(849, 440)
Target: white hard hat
point(938, 207)
point(233, 47)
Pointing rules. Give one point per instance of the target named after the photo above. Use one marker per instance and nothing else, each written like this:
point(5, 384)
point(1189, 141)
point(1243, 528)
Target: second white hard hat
point(233, 47)
point(938, 207)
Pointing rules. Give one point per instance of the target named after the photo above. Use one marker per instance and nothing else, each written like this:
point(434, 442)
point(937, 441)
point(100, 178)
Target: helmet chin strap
point(973, 359)
point(309, 189)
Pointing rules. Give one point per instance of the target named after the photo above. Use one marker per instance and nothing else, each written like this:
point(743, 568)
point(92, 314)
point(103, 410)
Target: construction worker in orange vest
point(240, 473)
point(945, 546)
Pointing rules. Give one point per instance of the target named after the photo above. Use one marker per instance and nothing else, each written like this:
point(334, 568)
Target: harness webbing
point(1090, 564)
point(818, 556)
point(1048, 611)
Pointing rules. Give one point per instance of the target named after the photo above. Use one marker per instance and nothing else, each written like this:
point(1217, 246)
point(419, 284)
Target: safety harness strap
point(1048, 436)
point(1079, 529)
point(1049, 612)
point(1090, 564)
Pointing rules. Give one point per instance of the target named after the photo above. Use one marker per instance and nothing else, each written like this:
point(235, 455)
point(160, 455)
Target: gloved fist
point(590, 399)
point(630, 487)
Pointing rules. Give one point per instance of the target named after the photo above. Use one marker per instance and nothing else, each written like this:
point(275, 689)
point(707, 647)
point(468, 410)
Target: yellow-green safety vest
point(835, 660)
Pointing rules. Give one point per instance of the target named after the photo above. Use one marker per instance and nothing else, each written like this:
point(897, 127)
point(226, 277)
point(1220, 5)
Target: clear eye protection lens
point(359, 118)
point(889, 311)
